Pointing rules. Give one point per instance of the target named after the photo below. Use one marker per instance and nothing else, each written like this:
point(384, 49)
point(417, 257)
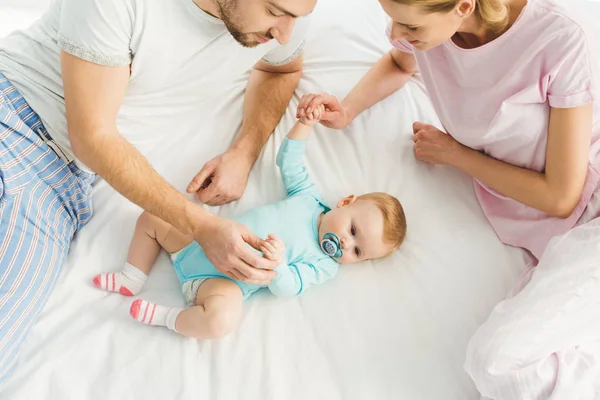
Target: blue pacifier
point(331, 245)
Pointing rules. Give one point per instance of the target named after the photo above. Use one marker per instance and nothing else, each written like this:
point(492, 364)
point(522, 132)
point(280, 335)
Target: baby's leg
point(150, 235)
point(217, 311)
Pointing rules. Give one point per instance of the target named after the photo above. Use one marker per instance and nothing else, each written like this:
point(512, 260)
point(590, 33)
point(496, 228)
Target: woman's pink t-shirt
point(497, 98)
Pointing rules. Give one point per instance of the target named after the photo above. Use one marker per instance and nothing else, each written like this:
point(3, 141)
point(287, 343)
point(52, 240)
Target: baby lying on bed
point(309, 241)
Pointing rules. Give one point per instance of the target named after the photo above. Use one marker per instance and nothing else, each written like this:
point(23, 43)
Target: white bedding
point(390, 329)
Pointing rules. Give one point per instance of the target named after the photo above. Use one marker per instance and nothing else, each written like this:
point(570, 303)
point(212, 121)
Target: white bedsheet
point(391, 329)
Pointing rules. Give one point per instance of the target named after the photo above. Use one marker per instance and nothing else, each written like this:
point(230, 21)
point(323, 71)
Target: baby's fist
point(273, 248)
point(311, 117)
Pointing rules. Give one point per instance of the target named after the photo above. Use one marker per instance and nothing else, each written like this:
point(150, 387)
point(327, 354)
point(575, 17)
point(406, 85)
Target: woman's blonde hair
point(492, 13)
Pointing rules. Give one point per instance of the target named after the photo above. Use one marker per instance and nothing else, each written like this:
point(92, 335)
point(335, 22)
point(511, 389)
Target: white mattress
point(391, 329)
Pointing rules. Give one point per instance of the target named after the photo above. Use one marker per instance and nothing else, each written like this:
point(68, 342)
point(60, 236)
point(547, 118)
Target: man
point(68, 82)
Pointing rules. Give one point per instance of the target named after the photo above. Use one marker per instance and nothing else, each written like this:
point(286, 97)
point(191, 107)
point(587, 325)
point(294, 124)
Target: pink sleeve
point(401, 45)
point(573, 79)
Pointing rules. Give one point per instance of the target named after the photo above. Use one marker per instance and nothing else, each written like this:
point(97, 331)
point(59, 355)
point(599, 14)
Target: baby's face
point(359, 226)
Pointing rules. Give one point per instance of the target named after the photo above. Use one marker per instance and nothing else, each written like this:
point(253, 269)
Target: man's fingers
point(210, 195)
point(262, 277)
point(244, 270)
point(253, 240)
point(250, 257)
point(218, 200)
point(256, 275)
point(254, 260)
point(237, 275)
point(201, 178)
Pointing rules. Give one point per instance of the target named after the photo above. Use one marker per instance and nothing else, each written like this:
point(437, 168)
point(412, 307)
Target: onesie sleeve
point(295, 278)
point(294, 174)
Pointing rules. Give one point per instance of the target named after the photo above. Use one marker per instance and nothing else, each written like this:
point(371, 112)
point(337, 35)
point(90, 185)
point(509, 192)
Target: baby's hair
point(394, 230)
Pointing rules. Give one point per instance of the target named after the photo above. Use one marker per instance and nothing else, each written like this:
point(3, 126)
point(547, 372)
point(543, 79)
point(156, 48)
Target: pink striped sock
point(128, 282)
point(154, 314)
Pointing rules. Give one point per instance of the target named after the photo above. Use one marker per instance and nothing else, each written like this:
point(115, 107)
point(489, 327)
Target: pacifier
point(331, 245)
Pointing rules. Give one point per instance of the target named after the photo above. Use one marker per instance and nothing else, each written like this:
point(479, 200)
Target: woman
point(516, 85)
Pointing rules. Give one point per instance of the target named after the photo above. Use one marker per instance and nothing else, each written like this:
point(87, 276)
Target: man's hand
point(223, 179)
point(225, 243)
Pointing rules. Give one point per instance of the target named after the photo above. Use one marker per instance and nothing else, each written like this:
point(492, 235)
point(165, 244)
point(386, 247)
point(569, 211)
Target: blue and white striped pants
point(44, 201)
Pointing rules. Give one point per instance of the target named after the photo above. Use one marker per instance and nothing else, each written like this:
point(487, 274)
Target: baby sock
point(154, 314)
point(128, 282)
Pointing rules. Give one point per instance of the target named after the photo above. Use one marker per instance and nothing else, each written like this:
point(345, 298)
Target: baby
point(307, 238)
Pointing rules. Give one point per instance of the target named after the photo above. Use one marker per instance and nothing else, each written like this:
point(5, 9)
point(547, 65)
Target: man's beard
point(227, 11)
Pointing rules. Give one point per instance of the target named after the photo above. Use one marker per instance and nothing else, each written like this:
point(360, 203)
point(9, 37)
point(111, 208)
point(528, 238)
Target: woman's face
point(424, 30)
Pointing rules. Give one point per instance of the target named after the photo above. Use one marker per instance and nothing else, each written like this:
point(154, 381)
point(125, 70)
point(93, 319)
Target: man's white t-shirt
point(175, 50)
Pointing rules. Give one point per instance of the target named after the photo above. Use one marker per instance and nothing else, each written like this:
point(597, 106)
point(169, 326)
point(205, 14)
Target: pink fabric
point(497, 99)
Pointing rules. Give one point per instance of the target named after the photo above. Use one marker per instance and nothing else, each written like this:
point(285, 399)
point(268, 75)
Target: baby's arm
point(285, 283)
point(290, 158)
point(301, 130)
point(294, 278)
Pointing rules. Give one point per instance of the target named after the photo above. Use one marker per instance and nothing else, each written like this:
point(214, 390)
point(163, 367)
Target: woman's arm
point(388, 75)
point(556, 191)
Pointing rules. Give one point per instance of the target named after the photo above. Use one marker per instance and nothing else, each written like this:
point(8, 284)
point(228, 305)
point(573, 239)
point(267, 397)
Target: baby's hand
point(313, 117)
point(273, 248)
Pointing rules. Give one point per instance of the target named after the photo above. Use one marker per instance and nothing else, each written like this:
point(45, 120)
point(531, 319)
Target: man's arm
point(97, 142)
point(93, 96)
point(269, 90)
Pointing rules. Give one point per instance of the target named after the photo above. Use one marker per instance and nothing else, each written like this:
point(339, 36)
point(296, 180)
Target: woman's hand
point(434, 146)
point(335, 114)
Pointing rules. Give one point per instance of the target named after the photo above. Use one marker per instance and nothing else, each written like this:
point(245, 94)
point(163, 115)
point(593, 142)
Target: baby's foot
point(128, 282)
point(153, 314)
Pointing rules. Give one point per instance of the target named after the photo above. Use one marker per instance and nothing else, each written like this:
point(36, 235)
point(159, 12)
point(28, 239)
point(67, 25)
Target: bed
point(390, 329)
